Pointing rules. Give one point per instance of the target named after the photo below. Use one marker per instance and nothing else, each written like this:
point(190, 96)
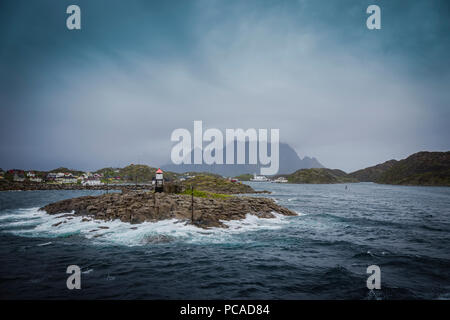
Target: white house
point(281, 180)
point(93, 182)
point(69, 179)
point(257, 178)
point(18, 178)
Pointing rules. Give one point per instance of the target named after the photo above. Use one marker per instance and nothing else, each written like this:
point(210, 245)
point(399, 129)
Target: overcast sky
point(112, 93)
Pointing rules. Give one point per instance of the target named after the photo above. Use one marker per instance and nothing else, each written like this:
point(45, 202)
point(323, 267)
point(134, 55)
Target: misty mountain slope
point(422, 168)
point(289, 162)
point(372, 174)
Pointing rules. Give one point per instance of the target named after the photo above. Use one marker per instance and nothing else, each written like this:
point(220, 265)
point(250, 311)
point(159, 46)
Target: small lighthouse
point(159, 181)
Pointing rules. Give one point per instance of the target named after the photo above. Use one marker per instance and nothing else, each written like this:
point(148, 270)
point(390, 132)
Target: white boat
point(280, 180)
point(259, 178)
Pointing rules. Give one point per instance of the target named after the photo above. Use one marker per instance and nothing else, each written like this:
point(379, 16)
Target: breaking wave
point(33, 222)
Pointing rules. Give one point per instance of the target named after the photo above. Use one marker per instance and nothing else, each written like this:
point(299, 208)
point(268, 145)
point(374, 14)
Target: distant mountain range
point(422, 168)
point(289, 162)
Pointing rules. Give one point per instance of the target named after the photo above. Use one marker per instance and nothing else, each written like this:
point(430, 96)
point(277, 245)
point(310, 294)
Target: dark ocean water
point(321, 254)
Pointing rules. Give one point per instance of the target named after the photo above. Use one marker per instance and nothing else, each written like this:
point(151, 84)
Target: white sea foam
point(20, 214)
point(87, 271)
point(116, 232)
point(44, 244)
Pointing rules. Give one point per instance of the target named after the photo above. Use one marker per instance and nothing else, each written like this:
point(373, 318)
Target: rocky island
point(211, 201)
point(210, 209)
point(319, 176)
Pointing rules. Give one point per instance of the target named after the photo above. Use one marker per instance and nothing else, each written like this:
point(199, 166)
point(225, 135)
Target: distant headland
point(422, 168)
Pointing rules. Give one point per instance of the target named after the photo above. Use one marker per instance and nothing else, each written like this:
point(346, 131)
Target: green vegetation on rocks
point(205, 194)
point(216, 184)
point(139, 173)
point(244, 177)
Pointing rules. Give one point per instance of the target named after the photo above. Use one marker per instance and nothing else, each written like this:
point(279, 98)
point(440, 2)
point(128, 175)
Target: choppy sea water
point(323, 253)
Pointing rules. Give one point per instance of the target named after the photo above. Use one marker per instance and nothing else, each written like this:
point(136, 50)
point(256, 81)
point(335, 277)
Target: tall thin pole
point(192, 203)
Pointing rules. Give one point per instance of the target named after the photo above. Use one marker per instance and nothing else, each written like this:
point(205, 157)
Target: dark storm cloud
point(112, 93)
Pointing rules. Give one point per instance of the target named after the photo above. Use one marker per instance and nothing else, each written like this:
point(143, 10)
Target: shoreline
point(19, 186)
point(32, 186)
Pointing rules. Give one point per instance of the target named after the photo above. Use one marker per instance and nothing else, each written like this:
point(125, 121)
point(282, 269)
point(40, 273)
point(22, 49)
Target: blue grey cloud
point(112, 93)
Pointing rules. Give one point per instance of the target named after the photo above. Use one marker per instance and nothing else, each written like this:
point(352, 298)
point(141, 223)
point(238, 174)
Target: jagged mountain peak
point(289, 163)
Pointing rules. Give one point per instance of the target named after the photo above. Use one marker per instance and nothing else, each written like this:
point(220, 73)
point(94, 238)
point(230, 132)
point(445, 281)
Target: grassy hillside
point(135, 172)
point(216, 184)
point(196, 173)
point(422, 168)
point(244, 177)
point(206, 194)
point(372, 174)
point(66, 170)
point(319, 176)
point(109, 172)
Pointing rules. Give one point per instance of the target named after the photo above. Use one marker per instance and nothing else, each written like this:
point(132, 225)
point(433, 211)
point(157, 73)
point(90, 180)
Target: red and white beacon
point(159, 181)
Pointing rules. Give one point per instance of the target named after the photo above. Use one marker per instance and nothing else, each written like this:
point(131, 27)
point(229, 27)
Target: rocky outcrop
point(204, 183)
point(138, 207)
point(30, 186)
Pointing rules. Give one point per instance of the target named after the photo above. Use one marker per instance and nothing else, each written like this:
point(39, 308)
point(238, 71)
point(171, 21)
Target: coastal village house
point(18, 175)
point(33, 177)
point(62, 177)
point(52, 176)
point(87, 178)
point(91, 179)
point(36, 179)
point(68, 179)
point(92, 182)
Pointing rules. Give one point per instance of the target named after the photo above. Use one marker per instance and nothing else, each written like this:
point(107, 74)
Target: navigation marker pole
point(192, 204)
